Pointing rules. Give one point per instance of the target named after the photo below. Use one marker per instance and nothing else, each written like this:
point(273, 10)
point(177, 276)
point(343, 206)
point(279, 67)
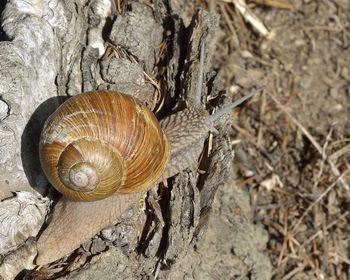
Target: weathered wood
point(57, 48)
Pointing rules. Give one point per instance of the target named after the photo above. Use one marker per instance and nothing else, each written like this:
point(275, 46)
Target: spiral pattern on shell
point(99, 143)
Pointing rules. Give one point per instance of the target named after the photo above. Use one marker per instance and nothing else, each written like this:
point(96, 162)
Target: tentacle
point(233, 105)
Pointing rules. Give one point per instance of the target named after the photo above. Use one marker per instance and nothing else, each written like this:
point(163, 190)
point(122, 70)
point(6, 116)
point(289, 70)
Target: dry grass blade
point(121, 6)
point(294, 272)
point(313, 141)
point(315, 202)
point(250, 17)
point(281, 4)
point(334, 157)
point(318, 233)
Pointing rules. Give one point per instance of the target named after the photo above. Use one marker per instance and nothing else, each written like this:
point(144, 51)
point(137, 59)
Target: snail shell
point(100, 143)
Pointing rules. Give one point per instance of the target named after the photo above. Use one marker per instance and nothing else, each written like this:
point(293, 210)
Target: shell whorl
point(99, 143)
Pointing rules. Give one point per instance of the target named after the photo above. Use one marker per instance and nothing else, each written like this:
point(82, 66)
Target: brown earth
point(293, 150)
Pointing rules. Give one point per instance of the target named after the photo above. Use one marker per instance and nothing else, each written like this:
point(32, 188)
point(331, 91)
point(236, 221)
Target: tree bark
point(61, 48)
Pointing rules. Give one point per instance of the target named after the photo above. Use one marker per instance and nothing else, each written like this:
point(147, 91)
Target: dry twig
point(281, 4)
point(250, 17)
point(313, 141)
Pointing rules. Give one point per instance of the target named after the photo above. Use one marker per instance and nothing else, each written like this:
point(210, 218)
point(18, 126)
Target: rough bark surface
point(61, 48)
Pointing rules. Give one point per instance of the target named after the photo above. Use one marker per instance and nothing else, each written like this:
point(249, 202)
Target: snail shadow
point(30, 143)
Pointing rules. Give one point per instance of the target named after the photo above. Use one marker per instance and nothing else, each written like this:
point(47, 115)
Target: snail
point(100, 143)
point(103, 150)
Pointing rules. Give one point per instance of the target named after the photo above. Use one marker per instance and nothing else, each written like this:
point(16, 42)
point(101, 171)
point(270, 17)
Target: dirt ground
point(292, 142)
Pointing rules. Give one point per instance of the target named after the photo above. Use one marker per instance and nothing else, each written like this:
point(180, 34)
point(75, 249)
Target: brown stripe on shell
point(119, 122)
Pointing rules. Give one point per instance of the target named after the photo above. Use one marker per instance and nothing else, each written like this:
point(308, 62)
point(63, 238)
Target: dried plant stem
point(282, 4)
point(316, 201)
point(313, 141)
point(318, 233)
point(250, 17)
